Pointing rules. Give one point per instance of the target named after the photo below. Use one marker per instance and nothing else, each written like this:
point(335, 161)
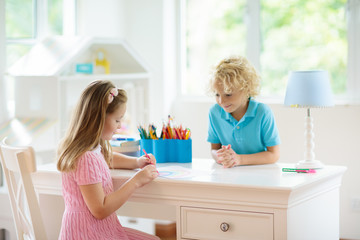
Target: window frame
point(353, 70)
point(253, 50)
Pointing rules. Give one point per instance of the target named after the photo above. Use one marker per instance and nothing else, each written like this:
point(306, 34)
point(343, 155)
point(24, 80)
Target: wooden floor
point(168, 238)
point(166, 231)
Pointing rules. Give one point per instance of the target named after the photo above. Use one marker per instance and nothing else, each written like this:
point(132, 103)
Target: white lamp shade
point(309, 89)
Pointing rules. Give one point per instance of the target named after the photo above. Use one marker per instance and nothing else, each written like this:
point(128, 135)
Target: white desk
point(256, 202)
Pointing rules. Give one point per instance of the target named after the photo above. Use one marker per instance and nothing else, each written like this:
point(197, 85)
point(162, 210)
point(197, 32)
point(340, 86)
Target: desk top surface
point(207, 172)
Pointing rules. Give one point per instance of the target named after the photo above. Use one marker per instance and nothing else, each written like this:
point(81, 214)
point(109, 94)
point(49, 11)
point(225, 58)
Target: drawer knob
point(224, 227)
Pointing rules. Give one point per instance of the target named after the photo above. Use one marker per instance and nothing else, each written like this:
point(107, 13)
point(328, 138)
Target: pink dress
point(78, 222)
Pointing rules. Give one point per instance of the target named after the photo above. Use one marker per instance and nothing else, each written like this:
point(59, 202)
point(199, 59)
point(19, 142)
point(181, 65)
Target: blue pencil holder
point(168, 150)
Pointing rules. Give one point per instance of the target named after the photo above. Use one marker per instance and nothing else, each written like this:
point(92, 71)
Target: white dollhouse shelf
point(47, 85)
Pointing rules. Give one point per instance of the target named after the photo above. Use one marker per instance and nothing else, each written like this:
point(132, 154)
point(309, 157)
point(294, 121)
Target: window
point(27, 21)
point(301, 35)
point(276, 36)
point(19, 19)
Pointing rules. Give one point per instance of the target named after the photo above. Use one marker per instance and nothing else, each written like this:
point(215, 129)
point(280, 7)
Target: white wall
point(150, 29)
point(144, 30)
point(100, 18)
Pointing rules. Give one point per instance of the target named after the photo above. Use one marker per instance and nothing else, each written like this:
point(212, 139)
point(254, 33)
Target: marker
point(299, 170)
point(147, 155)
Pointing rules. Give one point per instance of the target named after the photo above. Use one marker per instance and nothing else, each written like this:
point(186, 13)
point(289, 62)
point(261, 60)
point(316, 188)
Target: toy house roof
point(58, 56)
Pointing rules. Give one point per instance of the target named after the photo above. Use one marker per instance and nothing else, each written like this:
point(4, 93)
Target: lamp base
point(313, 164)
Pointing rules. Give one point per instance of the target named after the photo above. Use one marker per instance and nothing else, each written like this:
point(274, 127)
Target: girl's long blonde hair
point(87, 123)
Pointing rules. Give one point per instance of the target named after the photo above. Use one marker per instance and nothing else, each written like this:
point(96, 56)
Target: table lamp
point(309, 89)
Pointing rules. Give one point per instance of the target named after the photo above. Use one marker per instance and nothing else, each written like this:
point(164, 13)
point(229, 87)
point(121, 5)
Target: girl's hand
point(226, 156)
point(144, 160)
point(145, 175)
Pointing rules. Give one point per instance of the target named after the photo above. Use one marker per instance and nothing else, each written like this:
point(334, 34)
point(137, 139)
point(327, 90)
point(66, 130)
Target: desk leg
point(178, 222)
point(280, 224)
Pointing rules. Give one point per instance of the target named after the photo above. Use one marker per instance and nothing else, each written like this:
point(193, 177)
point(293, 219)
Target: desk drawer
point(215, 224)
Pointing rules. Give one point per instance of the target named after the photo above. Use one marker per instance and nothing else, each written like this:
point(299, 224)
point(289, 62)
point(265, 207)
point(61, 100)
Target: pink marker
point(307, 171)
point(147, 155)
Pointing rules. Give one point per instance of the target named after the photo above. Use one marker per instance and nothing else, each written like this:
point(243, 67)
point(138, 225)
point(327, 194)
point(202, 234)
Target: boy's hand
point(226, 156)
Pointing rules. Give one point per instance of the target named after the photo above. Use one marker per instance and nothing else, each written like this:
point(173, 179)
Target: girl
point(241, 130)
point(84, 158)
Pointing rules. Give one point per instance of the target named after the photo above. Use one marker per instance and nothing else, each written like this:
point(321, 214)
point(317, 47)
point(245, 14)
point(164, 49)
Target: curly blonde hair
point(235, 73)
point(87, 124)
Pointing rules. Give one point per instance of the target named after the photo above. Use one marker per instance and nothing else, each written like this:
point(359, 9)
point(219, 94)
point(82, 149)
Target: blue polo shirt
point(255, 131)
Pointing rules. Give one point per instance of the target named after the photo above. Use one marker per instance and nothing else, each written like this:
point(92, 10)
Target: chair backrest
point(18, 163)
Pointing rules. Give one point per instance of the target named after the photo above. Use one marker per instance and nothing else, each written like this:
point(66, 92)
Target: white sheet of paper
point(178, 172)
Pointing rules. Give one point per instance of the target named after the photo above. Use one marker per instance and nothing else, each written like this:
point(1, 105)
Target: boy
point(241, 130)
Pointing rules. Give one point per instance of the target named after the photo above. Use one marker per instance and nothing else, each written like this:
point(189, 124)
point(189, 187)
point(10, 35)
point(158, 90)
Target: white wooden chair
point(18, 163)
